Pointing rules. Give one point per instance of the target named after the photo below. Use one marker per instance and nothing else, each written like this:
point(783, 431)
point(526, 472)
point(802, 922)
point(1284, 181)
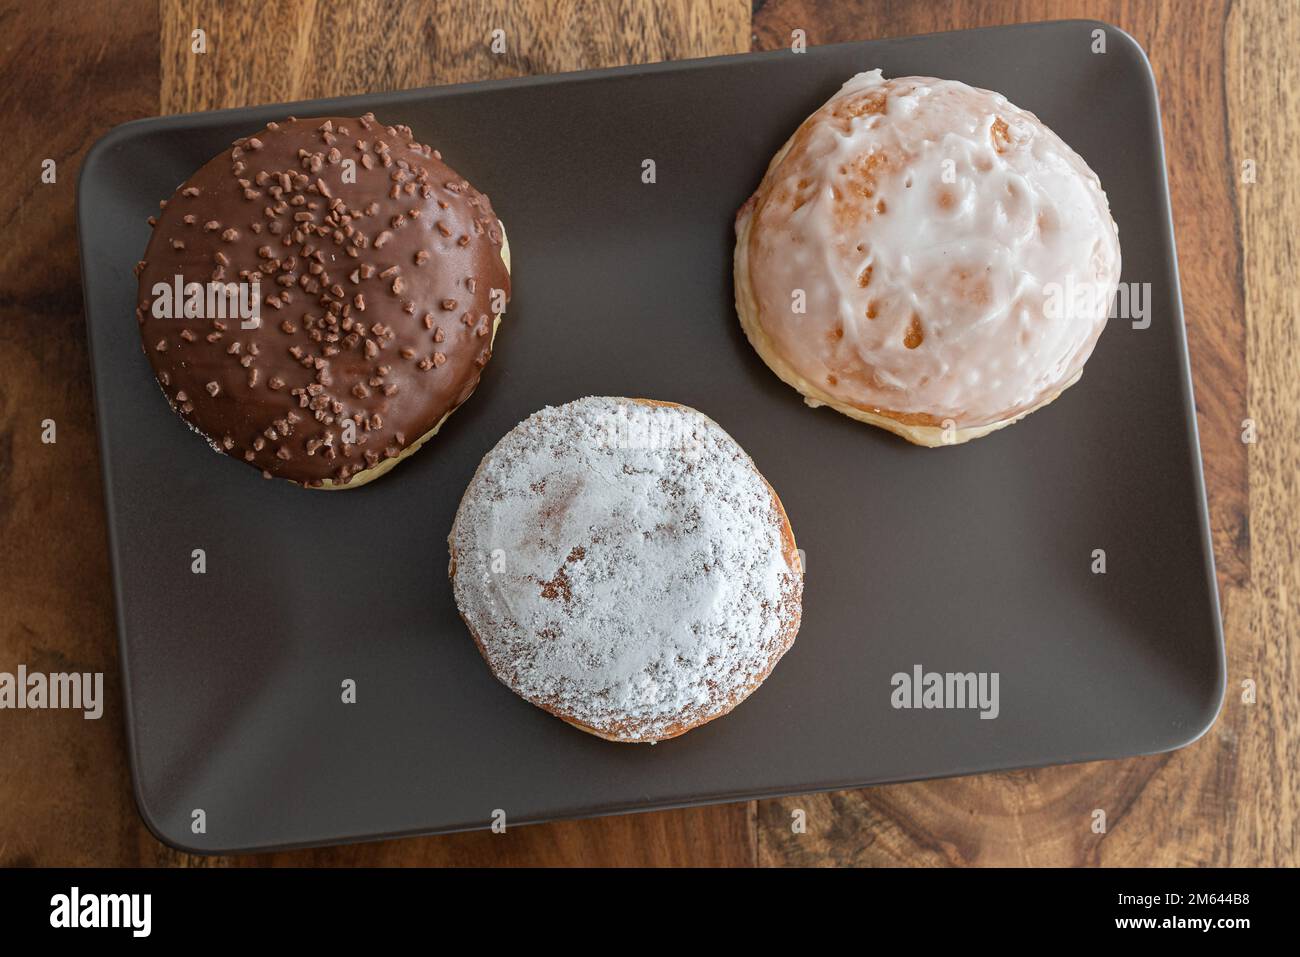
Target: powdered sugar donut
point(926, 257)
point(622, 564)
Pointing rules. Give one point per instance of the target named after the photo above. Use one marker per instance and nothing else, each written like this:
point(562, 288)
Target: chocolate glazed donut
point(381, 279)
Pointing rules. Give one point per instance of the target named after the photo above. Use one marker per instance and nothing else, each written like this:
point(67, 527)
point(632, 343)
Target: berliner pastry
point(318, 299)
point(623, 565)
point(926, 257)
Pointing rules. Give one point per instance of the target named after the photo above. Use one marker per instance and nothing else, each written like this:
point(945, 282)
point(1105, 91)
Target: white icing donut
point(953, 259)
point(623, 565)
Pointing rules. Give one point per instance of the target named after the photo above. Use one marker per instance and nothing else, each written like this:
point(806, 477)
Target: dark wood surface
point(1227, 74)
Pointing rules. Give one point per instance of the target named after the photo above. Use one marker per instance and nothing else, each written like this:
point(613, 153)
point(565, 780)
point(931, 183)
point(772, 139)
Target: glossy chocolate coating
point(377, 265)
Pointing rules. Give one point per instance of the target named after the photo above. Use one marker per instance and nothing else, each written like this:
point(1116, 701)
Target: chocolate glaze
point(376, 296)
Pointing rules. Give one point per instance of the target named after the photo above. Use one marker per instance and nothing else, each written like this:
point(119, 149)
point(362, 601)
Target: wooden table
point(1228, 77)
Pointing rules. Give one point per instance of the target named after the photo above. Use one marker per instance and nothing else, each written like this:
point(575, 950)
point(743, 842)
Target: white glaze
point(973, 259)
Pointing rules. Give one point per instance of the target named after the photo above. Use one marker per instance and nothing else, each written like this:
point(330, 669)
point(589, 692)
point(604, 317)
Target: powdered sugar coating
point(625, 566)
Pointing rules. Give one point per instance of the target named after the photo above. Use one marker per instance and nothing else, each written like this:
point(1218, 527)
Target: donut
point(926, 257)
point(622, 564)
point(318, 299)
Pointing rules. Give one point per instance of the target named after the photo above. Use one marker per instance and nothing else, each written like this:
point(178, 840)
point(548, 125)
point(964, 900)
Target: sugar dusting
point(623, 565)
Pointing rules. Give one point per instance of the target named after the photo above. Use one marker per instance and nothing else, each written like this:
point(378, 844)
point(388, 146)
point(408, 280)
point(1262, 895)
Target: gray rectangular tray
point(973, 558)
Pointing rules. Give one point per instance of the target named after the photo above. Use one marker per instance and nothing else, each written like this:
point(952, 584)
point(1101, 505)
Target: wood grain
point(1263, 616)
point(1228, 77)
point(369, 46)
point(65, 795)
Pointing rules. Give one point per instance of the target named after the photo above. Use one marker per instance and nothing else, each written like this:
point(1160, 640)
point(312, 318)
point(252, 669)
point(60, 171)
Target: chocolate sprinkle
point(286, 185)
